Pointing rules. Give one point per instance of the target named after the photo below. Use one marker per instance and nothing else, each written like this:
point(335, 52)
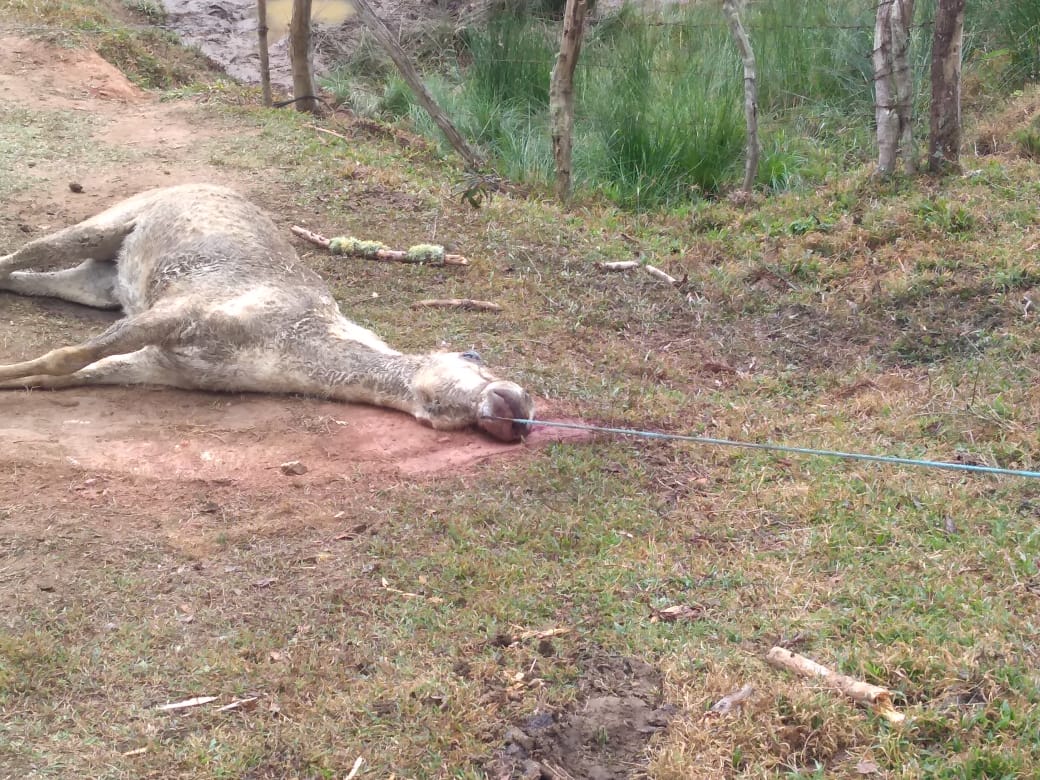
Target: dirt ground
point(152, 443)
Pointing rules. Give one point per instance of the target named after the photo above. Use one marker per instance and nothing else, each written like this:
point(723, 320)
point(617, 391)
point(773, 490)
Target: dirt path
point(150, 444)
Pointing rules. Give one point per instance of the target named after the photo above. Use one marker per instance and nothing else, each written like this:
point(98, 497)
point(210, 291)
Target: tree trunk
point(732, 8)
point(300, 57)
point(265, 65)
point(944, 138)
point(893, 86)
point(561, 94)
point(408, 72)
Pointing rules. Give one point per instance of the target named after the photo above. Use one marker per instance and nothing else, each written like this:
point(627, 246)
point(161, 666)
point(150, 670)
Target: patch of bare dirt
point(164, 439)
point(604, 737)
point(182, 436)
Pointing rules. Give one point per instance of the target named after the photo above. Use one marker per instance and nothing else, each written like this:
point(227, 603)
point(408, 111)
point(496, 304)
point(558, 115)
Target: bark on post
point(944, 137)
point(561, 94)
point(893, 86)
point(409, 74)
point(265, 65)
point(300, 57)
point(732, 9)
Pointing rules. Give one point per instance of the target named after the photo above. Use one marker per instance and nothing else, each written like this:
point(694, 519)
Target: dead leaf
point(275, 656)
point(678, 612)
point(265, 582)
point(866, 767)
point(732, 701)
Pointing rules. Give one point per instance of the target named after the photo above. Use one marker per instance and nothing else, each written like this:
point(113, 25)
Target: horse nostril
point(504, 405)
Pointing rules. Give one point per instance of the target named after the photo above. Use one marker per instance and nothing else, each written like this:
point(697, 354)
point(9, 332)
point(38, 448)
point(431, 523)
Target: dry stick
point(329, 132)
point(628, 265)
point(731, 9)
point(620, 265)
point(874, 696)
point(383, 255)
point(659, 274)
point(457, 303)
point(410, 75)
point(561, 94)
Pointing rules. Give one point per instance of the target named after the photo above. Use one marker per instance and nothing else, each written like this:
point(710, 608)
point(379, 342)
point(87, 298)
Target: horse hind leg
point(98, 238)
point(147, 366)
point(128, 335)
point(91, 283)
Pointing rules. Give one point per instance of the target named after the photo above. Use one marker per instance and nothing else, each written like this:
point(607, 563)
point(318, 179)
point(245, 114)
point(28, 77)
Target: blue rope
point(890, 459)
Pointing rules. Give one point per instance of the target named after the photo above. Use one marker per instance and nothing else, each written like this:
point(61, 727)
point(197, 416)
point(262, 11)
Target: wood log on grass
point(877, 698)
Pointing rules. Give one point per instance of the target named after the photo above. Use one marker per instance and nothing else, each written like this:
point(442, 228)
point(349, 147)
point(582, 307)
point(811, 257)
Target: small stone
point(293, 468)
point(75, 186)
point(47, 586)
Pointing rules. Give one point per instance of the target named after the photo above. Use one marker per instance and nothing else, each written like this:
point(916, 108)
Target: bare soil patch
point(603, 738)
point(164, 437)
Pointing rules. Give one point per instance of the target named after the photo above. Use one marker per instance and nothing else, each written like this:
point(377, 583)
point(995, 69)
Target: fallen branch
point(468, 304)
point(874, 696)
point(373, 250)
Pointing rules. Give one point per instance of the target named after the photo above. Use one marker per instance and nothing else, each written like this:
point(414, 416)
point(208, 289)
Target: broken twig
point(628, 265)
point(407, 594)
point(181, 705)
point(469, 304)
point(874, 696)
point(358, 763)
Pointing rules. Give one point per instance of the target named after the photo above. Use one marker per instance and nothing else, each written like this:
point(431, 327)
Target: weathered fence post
point(265, 65)
point(561, 94)
point(300, 56)
point(893, 86)
point(732, 9)
point(944, 138)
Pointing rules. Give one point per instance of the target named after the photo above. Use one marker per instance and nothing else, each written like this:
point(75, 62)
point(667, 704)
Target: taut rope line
point(707, 440)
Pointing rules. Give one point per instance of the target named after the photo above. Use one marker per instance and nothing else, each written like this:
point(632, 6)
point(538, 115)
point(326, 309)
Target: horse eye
point(472, 355)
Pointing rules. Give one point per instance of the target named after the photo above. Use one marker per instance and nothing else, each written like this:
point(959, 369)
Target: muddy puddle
point(226, 32)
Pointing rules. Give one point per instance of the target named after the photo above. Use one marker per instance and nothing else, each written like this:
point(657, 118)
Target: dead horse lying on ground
point(215, 298)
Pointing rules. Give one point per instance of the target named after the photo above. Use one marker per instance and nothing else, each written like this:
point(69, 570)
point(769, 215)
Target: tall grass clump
point(659, 114)
point(1018, 30)
point(659, 109)
point(510, 60)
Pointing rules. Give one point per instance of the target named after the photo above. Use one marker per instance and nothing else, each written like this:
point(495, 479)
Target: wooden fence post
point(265, 65)
point(561, 94)
point(732, 8)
